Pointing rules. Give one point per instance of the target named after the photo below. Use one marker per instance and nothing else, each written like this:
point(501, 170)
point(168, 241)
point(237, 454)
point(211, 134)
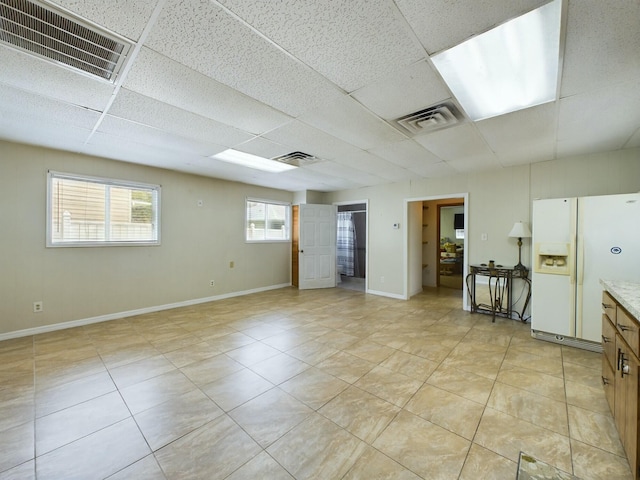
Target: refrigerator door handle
point(580, 259)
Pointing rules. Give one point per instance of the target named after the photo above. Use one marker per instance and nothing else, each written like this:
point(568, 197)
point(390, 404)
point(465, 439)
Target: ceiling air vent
point(298, 159)
point(433, 118)
point(61, 38)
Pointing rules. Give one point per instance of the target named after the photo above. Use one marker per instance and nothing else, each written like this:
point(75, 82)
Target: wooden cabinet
point(620, 373)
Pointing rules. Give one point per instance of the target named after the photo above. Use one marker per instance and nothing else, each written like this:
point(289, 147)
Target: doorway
point(451, 245)
point(422, 247)
point(351, 246)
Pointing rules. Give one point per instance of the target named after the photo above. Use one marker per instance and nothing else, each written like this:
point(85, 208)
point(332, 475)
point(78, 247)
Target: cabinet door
point(609, 340)
point(629, 367)
point(609, 383)
point(620, 394)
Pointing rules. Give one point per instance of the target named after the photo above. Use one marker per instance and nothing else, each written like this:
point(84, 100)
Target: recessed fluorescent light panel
point(252, 161)
point(509, 68)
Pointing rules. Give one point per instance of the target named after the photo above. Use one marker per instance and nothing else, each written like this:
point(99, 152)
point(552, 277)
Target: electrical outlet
point(38, 307)
point(212, 283)
point(231, 264)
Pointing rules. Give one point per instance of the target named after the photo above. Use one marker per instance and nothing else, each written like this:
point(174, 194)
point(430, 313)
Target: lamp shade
point(520, 230)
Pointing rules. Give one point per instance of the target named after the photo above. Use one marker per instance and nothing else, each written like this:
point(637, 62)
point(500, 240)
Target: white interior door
point(317, 258)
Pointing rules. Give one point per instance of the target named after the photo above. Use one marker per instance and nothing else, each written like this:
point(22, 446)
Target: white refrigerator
point(576, 243)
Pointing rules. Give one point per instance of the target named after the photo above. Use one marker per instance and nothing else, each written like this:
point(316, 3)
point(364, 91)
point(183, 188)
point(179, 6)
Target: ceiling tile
point(156, 138)
point(339, 170)
point(602, 120)
point(46, 133)
point(406, 90)
point(349, 121)
point(441, 24)
point(263, 147)
point(159, 77)
point(459, 142)
point(406, 153)
point(434, 170)
point(368, 162)
point(146, 110)
point(350, 42)
point(16, 102)
point(602, 45)
point(522, 137)
point(475, 163)
point(204, 37)
point(47, 79)
point(124, 18)
point(302, 137)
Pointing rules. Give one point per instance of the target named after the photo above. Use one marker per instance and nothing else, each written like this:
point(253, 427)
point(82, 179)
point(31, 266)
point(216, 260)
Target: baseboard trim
point(131, 313)
point(569, 341)
point(387, 294)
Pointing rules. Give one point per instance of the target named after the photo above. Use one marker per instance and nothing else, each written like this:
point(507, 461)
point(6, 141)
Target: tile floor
point(329, 384)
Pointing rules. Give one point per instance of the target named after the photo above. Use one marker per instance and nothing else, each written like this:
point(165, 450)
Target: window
point(267, 221)
point(90, 211)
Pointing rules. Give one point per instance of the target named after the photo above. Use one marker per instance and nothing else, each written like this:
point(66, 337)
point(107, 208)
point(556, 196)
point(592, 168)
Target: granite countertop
point(626, 293)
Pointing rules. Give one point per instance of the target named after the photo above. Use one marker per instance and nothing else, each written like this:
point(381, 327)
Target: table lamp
point(520, 230)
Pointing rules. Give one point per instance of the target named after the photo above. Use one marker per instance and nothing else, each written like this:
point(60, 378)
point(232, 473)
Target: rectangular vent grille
point(297, 159)
point(58, 37)
point(432, 118)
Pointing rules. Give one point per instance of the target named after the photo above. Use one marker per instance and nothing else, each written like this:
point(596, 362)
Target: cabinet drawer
point(608, 383)
point(608, 340)
point(629, 329)
point(609, 306)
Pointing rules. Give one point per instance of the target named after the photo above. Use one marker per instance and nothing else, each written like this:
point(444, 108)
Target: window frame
point(107, 182)
point(267, 202)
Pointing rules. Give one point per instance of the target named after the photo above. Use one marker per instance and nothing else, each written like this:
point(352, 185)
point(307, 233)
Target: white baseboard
point(130, 313)
point(387, 294)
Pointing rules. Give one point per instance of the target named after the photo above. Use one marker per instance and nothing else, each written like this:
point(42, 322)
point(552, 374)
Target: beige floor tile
point(95, 456)
point(139, 371)
point(287, 340)
point(370, 351)
point(584, 375)
point(210, 369)
point(17, 406)
point(145, 469)
point(191, 354)
point(313, 387)
point(542, 364)
point(235, 389)
point(532, 381)
point(262, 331)
point(260, 466)
point(373, 465)
point(270, 415)
point(70, 424)
point(116, 356)
point(280, 368)
point(346, 367)
point(410, 365)
point(253, 353)
point(508, 436)
point(51, 376)
point(312, 352)
point(422, 447)
point(361, 413)
point(25, 471)
point(434, 348)
point(593, 463)
point(155, 391)
point(487, 465)
point(212, 451)
point(391, 386)
point(595, 429)
point(229, 342)
point(530, 407)
point(317, 448)
point(176, 417)
point(16, 445)
point(590, 398)
point(466, 384)
point(448, 410)
point(176, 343)
point(584, 358)
point(72, 393)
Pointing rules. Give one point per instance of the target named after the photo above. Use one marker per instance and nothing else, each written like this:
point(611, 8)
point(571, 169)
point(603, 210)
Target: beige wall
point(81, 283)
point(497, 199)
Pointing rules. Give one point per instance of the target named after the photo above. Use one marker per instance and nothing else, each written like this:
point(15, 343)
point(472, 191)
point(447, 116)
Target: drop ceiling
point(327, 78)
